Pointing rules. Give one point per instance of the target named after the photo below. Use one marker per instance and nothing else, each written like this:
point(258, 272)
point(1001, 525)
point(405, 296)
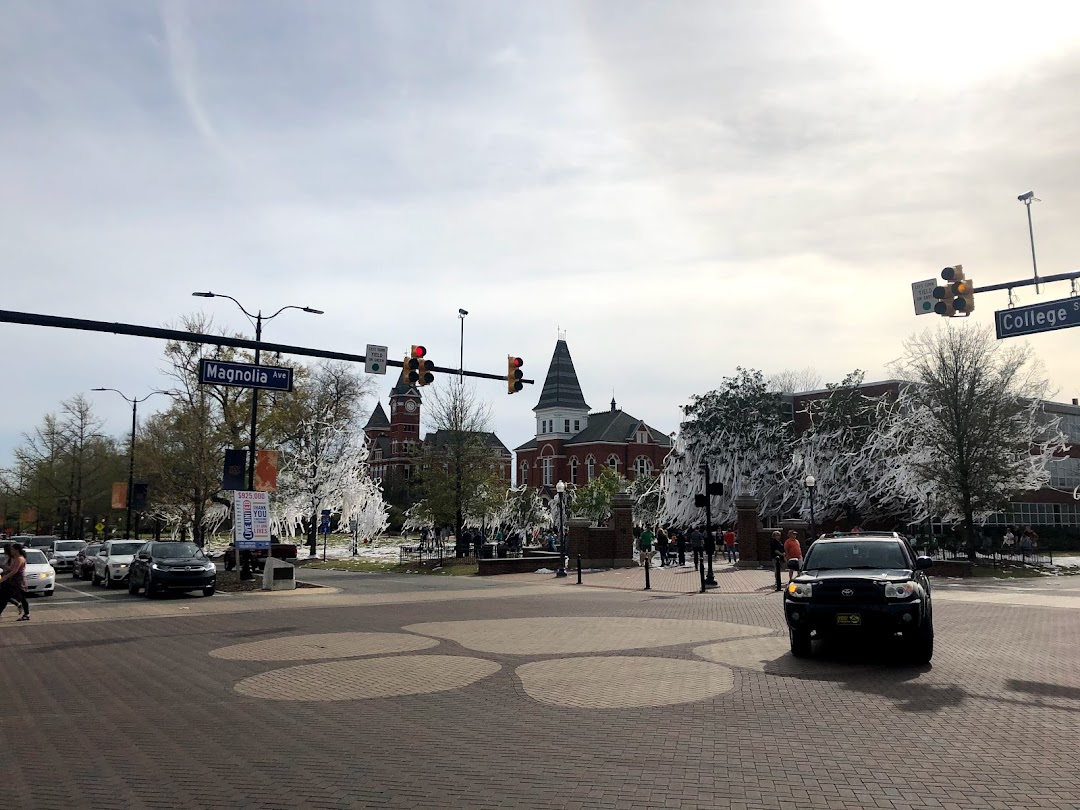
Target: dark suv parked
point(162, 565)
point(854, 584)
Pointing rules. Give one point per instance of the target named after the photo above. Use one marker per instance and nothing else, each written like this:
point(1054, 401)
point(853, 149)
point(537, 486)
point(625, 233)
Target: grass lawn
point(378, 567)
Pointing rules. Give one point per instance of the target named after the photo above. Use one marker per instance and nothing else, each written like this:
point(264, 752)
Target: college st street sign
point(1044, 317)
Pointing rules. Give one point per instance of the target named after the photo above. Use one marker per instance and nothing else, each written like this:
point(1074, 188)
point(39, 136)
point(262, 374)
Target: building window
point(642, 437)
point(524, 473)
point(613, 462)
point(577, 425)
point(642, 466)
point(566, 425)
point(406, 472)
point(590, 468)
point(548, 465)
point(573, 470)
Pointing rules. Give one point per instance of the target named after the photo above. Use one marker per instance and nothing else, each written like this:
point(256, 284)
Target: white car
point(40, 576)
point(64, 553)
point(113, 563)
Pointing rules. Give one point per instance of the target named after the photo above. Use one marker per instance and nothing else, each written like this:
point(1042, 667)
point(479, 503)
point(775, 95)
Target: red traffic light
point(418, 351)
point(516, 362)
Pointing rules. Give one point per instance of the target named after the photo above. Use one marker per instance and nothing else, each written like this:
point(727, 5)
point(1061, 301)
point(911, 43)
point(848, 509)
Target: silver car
point(113, 563)
point(64, 553)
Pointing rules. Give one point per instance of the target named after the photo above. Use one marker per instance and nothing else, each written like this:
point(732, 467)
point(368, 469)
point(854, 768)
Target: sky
point(681, 188)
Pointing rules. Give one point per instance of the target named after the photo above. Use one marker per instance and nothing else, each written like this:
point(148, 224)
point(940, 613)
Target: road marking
point(83, 594)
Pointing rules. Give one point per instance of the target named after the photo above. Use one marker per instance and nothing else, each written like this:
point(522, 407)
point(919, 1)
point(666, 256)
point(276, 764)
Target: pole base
point(711, 582)
point(561, 572)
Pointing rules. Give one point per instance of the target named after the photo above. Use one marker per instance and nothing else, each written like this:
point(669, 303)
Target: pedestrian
point(776, 546)
point(14, 578)
point(1031, 533)
point(6, 595)
point(1008, 541)
point(729, 544)
point(680, 544)
point(697, 543)
point(645, 542)
point(662, 545)
point(1027, 541)
point(792, 553)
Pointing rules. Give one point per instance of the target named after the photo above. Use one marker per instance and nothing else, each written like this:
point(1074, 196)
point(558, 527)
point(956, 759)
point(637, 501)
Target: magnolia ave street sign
point(245, 375)
point(923, 294)
point(1045, 317)
point(375, 359)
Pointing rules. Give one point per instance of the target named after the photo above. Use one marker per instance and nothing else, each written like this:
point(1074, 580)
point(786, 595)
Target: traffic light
point(418, 368)
point(957, 297)
point(964, 290)
point(513, 374)
point(945, 300)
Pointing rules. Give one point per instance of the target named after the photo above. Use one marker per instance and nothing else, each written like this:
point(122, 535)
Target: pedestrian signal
point(513, 374)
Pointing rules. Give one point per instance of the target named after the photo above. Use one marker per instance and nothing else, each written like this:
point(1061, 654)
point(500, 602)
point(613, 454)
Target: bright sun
point(952, 41)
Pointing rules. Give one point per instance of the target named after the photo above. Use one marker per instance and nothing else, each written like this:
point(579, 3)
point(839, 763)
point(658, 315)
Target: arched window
point(613, 462)
point(573, 470)
point(590, 468)
point(642, 466)
point(524, 473)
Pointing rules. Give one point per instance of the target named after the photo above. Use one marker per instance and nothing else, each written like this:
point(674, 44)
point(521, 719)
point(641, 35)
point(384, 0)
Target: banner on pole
point(251, 519)
point(139, 495)
point(232, 477)
point(119, 495)
point(266, 467)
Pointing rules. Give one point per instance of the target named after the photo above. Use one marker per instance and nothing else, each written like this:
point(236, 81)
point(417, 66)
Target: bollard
point(648, 587)
point(578, 569)
point(776, 566)
point(701, 570)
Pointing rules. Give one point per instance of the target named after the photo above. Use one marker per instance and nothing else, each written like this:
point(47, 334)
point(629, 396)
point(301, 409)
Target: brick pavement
point(138, 713)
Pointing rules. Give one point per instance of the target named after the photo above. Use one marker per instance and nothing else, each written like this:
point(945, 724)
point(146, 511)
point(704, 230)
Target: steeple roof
point(561, 388)
point(377, 420)
point(404, 388)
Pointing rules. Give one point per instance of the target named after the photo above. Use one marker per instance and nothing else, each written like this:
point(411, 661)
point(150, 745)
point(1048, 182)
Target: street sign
point(375, 359)
point(251, 519)
point(922, 292)
point(1045, 317)
point(245, 375)
point(324, 521)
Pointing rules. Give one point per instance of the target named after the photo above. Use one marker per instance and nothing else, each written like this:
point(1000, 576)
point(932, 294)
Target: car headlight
point(157, 567)
point(118, 566)
point(209, 567)
point(899, 590)
point(43, 576)
point(800, 590)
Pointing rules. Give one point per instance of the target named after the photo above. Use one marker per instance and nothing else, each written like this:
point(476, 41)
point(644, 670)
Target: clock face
point(410, 406)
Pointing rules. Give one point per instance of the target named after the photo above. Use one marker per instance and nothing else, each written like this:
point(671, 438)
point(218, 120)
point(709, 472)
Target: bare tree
point(981, 433)
point(789, 381)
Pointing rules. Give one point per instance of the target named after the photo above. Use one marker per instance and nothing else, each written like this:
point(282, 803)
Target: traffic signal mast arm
point(35, 319)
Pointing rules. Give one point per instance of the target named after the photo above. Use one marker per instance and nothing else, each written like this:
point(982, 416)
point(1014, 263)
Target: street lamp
point(259, 318)
point(1027, 198)
point(560, 489)
point(131, 458)
point(710, 540)
point(810, 483)
point(461, 313)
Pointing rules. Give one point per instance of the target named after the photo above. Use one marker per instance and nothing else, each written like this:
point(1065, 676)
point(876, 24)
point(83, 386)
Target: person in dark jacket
point(680, 544)
point(776, 547)
point(662, 544)
point(697, 543)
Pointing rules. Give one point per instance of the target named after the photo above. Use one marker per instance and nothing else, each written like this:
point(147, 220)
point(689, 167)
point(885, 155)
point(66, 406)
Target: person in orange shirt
point(792, 553)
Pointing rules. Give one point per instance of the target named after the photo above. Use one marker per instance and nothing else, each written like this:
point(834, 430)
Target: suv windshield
point(856, 554)
point(120, 549)
point(34, 557)
point(69, 545)
point(91, 550)
point(175, 550)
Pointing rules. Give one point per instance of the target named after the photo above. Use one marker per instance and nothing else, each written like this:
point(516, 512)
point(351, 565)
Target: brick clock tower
point(393, 439)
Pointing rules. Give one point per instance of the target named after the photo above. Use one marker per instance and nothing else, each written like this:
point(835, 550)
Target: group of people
point(1027, 541)
point(671, 544)
point(790, 551)
point(13, 581)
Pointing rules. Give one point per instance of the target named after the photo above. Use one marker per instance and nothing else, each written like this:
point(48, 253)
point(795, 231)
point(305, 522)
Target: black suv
point(165, 565)
point(852, 584)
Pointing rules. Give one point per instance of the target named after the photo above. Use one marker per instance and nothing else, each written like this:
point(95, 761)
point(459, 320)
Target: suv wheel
point(922, 644)
point(133, 589)
point(800, 643)
point(208, 590)
point(149, 589)
point(95, 579)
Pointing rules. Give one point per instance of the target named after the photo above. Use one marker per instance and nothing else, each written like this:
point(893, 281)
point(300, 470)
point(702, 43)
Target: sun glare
point(952, 42)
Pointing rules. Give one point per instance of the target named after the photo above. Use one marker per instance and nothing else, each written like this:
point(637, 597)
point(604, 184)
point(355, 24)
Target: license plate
point(850, 619)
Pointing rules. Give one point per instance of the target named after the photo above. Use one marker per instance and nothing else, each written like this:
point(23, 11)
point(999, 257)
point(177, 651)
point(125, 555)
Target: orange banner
point(266, 466)
point(29, 516)
point(119, 495)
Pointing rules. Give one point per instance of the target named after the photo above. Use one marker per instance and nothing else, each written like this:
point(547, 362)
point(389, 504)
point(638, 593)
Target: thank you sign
point(251, 519)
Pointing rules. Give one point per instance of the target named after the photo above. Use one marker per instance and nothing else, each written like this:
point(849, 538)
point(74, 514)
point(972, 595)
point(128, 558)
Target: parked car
point(113, 561)
point(851, 585)
point(64, 553)
point(40, 576)
point(257, 557)
point(43, 542)
point(84, 562)
point(168, 565)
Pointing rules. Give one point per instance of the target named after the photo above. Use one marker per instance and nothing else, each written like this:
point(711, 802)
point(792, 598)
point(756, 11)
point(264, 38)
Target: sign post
point(1045, 317)
point(922, 293)
point(375, 359)
point(324, 529)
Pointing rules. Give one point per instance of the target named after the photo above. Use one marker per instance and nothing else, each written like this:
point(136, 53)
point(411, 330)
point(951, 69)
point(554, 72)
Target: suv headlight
point(209, 567)
point(899, 590)
point(154, 566)
point(800, 590)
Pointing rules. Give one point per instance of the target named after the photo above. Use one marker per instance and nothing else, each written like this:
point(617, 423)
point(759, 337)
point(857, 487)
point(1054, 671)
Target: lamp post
point(258, 318)
point(710, 541)
point(461, 313)
point(810, 483)
point(131, 457)
point(560, 489)
point(1027, 198)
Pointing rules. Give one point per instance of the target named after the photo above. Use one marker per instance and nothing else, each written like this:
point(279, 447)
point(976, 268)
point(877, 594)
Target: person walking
point(14, 578)
point(697, 543)
point(680, 544)
point(645, 542)
point(1008, 541)
point(792, 553)
point(6, 595)
point(662, 545)
point(776, 545)
point(729, 545)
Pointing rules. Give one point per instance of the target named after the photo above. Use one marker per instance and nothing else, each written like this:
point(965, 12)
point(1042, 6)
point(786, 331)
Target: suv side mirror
point(922, 563)
point(144, 555)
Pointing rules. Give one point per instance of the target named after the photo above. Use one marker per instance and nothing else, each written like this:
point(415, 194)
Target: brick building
point(396, 440)
point(572, 445)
